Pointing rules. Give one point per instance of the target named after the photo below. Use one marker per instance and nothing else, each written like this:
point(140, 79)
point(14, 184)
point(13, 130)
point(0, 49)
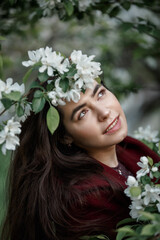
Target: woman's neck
point(106, 156)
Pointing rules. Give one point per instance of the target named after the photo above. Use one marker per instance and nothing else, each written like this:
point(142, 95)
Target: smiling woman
point(96, 123)
point(71, 183)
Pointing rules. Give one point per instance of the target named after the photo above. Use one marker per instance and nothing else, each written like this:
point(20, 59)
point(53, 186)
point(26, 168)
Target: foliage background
point(124, 36)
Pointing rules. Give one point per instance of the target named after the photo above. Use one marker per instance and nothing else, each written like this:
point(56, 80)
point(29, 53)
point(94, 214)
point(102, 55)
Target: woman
point(71, 184)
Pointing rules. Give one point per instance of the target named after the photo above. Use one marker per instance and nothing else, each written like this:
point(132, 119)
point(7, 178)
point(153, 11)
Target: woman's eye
point(101, 93)
point(82, 114)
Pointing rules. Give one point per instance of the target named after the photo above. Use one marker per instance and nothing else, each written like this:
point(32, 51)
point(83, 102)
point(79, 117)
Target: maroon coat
point(103, 211)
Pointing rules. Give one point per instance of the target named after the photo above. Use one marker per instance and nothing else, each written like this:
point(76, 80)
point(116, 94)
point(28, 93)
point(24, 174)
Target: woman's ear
point(67, 140)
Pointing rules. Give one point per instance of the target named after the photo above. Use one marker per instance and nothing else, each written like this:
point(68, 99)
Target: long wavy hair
point(41, 179)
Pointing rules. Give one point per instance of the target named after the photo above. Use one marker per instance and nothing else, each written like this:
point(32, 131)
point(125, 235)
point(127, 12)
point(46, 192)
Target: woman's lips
point(114, 126)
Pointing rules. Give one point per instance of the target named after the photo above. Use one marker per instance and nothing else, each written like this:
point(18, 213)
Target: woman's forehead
point(68, 108)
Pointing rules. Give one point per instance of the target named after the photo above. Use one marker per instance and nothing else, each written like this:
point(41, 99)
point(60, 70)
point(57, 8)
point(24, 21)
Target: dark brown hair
point(42, 175)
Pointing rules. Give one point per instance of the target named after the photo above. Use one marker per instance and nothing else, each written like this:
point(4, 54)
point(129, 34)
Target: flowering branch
point(60, 79)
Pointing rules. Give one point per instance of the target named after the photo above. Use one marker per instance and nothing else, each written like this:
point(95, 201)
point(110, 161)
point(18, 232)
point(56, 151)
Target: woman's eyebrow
point(84, 104)
point(95, 89)
point(77, 109)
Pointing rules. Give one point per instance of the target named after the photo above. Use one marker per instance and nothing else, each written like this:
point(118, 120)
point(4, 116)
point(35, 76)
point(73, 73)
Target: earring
point(69, 145)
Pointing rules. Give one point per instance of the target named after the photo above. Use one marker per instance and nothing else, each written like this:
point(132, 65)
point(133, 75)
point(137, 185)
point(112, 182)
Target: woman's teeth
point(113, 124)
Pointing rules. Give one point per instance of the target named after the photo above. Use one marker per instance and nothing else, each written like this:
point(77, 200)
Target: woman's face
point(96, 122)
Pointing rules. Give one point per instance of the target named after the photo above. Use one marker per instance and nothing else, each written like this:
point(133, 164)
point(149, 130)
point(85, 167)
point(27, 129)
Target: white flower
point(131, 181)
point(73, 95)
point(145, 167)
point(151, 194)
point(58, 97)
point(1, 108)
point(158, 207)
point(61, 102)
point(84, 4)
point(8, 87)
point(154, 169)
point(53, 61)
point(87, 70)
point(5, 87)
point(63, 67)
point(27, 111)
point(12, 127)
point(47, 6)
point(18, 88)
point(34, 57)
point(47, 61)
point(147, 134)
point(135, 207)
point(8, 136)
point(53, 96)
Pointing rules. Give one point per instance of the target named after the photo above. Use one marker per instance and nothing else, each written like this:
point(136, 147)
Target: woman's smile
point(97, 121)
point(114, 126)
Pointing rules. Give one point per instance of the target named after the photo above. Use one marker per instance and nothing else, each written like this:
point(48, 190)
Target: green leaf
point(120, 235)
point(148, 230)
point(15, 96)
point(125, 221)
point(52, 119)
point(126, 5)
point(38, 94)
point(64, 84)
point(156, 33)
point(156, 174)
point(72, 71)
point(69, 7)
point(126, 26)
point(150, 145)
point(114, 12)
point(157, 164)
point(102, 237)
point(146, 215)
point(144, 28)
point(20, 111)
point(38, 104)
point(36, 85)
point(145, 180)
point(150, 160)
point(43, 76)
point(127, 229)
point(95, 237)
point(27, 75)
point(50, 86)
point(98, 80)
point(135, 191)
point(7, 103)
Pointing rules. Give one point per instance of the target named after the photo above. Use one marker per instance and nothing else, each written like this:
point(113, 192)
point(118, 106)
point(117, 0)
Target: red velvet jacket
point(100, 213)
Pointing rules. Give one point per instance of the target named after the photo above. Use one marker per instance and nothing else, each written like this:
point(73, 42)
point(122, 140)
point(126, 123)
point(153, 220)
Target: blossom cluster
point(64, 80)
point(10, 125)
point(79, 72)
point(144, 191)
point(8, 137)
point(49, 5)
point(147, 134)
point(8, 87)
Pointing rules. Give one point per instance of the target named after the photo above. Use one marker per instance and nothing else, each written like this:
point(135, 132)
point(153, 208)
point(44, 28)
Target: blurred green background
point(123, 35)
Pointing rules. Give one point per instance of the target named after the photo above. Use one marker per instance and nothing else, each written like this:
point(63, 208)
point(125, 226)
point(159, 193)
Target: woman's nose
point(102, 112)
